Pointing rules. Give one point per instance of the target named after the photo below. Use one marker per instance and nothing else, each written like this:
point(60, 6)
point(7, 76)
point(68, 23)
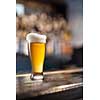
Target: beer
point(36, 44)
point(37, 53)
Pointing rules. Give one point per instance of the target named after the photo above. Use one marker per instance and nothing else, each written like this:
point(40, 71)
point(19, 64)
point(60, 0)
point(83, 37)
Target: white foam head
point(35, 37)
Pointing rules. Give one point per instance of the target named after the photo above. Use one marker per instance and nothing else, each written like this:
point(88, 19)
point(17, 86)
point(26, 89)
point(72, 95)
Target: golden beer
point(37, 54)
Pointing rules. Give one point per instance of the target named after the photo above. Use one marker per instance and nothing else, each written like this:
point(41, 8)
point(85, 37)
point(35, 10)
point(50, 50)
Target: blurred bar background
point(61, 21)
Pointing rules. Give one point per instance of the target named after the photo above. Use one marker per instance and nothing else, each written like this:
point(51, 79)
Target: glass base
point(36, 76)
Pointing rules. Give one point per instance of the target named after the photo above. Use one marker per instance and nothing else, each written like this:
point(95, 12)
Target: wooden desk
point(54, 82)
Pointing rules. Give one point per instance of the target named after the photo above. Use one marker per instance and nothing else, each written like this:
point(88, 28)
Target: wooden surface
point(55, 81)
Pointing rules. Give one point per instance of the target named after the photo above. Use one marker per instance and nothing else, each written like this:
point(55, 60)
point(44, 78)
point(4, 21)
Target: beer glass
point(36, 48)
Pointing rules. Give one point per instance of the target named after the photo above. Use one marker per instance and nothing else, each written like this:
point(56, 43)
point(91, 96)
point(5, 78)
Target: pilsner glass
point(36, 46)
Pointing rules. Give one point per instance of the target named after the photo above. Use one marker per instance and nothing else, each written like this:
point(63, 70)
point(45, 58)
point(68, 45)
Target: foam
point(35, 37)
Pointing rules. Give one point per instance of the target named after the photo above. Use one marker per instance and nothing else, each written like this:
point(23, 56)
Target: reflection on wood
point(55, 72)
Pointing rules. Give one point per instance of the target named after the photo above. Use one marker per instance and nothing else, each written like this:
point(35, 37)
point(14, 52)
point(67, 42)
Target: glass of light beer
point(36, 48)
